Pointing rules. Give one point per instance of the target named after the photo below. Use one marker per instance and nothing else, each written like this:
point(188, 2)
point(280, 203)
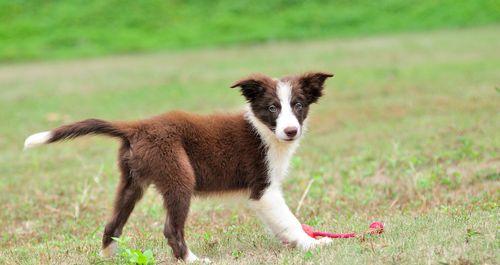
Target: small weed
point(494, 176)
point(136, 256)
point(424, 182)
point(470, 234)
point(207, 236)
point(452, 180)
point(467, 149)
point(488, 206)
point(237, 254)
point(308, 255)
point(133, 256)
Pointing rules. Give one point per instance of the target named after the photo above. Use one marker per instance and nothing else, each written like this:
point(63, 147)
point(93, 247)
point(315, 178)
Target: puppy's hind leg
point(129, 192)
point(177, 204)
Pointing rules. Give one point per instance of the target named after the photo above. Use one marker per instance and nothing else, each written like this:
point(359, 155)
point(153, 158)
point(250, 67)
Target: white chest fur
point(279, 152)
point(278, 160)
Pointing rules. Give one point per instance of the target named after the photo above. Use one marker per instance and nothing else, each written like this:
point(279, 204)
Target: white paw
point(324, 241)
point(192, 258)
point(198, 261)
point(312, 243)
point(205, 260)
point(110, 250)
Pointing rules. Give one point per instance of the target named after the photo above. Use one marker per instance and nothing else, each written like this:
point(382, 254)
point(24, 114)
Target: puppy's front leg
point(274, 212)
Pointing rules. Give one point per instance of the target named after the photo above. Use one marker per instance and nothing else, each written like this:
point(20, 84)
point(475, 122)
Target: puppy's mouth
point(288, 139)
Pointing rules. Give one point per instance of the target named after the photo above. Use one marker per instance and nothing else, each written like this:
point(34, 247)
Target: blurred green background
point(74, 28)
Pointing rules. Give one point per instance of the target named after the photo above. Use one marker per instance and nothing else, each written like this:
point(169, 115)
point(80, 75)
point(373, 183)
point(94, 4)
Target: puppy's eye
point(273, 109)
point(298, 106)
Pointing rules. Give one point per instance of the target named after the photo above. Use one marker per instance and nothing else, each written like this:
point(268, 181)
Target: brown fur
point(181, 154)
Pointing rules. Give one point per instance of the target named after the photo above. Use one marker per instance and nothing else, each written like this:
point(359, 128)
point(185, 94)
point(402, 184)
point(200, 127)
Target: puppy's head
point(282, 104)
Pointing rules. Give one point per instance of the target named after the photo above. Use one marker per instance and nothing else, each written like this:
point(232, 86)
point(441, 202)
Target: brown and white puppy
point(185, 154)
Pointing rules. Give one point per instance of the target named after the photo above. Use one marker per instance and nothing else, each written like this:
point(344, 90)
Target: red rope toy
point(376, 228)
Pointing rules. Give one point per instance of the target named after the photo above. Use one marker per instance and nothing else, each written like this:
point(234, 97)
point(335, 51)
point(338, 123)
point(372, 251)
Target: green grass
point(407, 134)
point(74, 28)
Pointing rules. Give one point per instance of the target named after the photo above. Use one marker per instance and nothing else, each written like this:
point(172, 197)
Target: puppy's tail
point(70, 131)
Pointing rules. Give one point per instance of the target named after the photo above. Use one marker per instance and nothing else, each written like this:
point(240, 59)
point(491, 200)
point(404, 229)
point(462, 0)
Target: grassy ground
point(74, 28)
point(407, 134)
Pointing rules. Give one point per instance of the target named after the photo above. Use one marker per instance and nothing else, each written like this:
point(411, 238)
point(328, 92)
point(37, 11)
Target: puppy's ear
point(252, 86)
point(312, 85)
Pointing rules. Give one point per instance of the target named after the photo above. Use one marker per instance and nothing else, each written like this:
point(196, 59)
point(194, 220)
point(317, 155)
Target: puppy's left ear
point(252, 86)
point(312, 85)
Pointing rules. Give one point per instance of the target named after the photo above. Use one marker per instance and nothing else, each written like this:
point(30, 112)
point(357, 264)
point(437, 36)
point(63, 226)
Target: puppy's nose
point(291, 131)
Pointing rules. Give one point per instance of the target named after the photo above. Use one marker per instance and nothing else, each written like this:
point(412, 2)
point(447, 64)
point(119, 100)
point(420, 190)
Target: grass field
point(75, 28)
point(407, 134)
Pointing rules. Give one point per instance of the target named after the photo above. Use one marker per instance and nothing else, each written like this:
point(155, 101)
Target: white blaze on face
point(286, 118)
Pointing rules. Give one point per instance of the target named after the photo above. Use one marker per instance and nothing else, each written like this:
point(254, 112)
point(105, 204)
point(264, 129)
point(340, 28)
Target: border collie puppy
point(184, 154)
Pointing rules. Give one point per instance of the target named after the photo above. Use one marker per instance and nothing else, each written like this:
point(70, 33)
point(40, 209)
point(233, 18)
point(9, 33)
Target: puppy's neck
point(279, 153)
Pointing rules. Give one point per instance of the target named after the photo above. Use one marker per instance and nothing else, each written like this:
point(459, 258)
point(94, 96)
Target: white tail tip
point(37, 139)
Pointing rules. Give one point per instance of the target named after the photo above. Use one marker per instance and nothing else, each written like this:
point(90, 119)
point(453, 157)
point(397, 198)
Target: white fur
point(274, 212)
point(286, 118)
point(271, 207)
point(110, 250)
point(37, 139)
point(191, 258)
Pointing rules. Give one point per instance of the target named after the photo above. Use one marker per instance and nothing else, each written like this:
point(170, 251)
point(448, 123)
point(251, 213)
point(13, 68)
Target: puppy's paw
point(198, 261)
point(205, 261)
point(312, 243)
point(110, 250)
point(323, 241)
point(192, 258)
